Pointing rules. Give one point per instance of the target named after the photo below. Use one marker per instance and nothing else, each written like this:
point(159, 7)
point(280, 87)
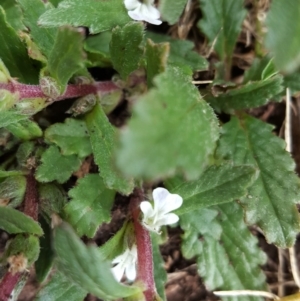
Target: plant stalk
point(72, 91)
point(10, 280)
point(144, 247)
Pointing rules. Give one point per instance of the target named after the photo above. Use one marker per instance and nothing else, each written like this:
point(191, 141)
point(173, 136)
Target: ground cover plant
point(122, 122)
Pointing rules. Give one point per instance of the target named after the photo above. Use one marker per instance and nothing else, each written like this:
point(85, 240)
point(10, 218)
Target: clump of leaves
point(94, 105)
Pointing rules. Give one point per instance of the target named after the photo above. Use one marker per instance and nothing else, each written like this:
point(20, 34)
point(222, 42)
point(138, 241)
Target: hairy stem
point(31, 197)
point(7, 285)
point(35, 91)
point(10, 280)
point(144, 247)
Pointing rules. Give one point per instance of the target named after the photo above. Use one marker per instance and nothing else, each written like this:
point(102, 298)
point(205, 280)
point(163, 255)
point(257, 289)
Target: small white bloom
point(143, 10)
point(164, 202)
point(125, 262)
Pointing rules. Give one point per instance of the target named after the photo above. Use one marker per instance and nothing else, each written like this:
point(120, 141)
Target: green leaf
point(172, 129)
point(125, 48)
point(14, 221)
point(216, 185)
point(292, 81)
point(102, 135)
point(118, 243)
point(90, 205)
point(86, 267)
point(251, 95)
point(59, 288)
point(25, 129)
point(156, 56)
point(71, 136)
point(12, 10)
point(52, 200)
point(56, 166)
point(221, 23)
point(228, 257)
point(282, 37)
point(11, 117)
point(254, 73)
point(44, 38)
point(97, 48)
point(9, 173)
point(97, 15)
point(271, 200)
point(181, 52)
point(171, 10)
point(46, 257)
point(160, 274)
point(14, 54)
point(66, 56)
point(12, 191)
point(25, 151)
point(27, 245)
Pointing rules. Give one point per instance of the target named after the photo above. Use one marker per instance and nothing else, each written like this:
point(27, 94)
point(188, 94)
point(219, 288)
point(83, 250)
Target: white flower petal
point(168, 219)
point(173, 201)
point(135, 16)
point(154, 22)
point(132, 4)
point(130, 272)
point(118, 271)
point(150, 11)
point(147, 209)
point(159, 196)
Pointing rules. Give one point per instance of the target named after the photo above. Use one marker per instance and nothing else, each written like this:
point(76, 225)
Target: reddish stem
point(144, 247)
point(31, 197)
point(7, 285)
point(10, 280)
point(35, 91)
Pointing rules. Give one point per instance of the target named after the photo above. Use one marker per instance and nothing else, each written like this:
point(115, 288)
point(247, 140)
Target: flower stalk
point(144, 247)
point(72, 91)
point(10, 280)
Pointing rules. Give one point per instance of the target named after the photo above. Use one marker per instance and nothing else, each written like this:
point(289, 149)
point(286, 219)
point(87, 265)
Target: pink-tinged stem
point(31, 202)
point(35, 91)
point(7, 285)
point(10, 280)
point(144, 247)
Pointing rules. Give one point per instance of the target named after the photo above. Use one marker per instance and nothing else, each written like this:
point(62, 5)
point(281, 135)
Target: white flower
point(164, 202)
point(143, 10)
point(125, 262)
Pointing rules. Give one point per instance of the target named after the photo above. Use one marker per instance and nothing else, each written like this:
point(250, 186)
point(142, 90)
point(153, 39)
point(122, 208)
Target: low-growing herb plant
point(108, 104)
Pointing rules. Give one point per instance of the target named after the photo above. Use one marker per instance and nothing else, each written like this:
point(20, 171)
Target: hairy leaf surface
point(98, 15)
point(66, 56)
point(171, 10)
point(56, 166)
point(14, 54)
point(222, 23)
point(102, 135)
point(216, 185)
point(90, 205)
point(271, 199)
point(59, 288)
point(251, 95)
point(14, 221)
point(71, 136)
point(282, 37)
point(44, 38)
point(172, 129)
point(227, 254)
point(86, 267)
point(125, 48)
point(181, 52)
